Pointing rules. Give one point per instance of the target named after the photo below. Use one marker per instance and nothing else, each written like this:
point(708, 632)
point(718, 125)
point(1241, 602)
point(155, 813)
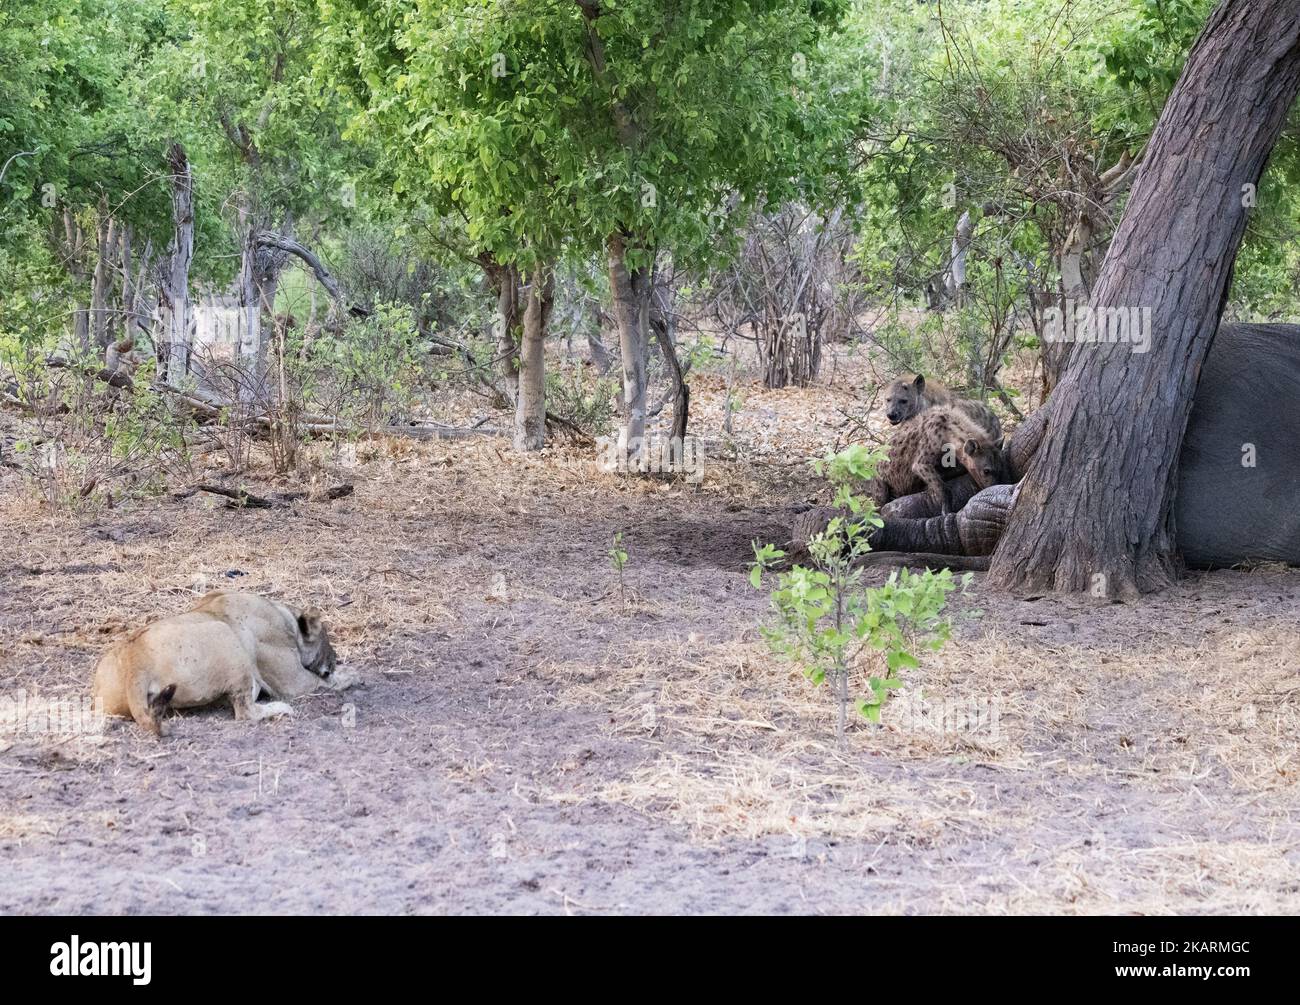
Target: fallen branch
point(242, 499)
point(435, 432)
point(79, 569)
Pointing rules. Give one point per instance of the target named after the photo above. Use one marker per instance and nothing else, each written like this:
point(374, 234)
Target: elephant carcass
point(1238, 495)
point(1239, 470)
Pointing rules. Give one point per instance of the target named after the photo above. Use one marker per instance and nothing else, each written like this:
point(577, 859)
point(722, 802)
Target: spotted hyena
point(937, 444)
point(908, 397)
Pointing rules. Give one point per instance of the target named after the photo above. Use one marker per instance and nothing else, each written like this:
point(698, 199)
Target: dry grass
point(746, 752)
point(1145, 760)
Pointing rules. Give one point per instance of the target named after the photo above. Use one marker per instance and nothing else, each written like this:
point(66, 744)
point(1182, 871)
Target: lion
point(228, 645)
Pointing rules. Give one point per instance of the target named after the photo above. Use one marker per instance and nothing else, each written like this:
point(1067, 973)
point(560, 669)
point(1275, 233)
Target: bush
point(369, 373)
point(89, 438)
point(578, 394)
point(827, 621)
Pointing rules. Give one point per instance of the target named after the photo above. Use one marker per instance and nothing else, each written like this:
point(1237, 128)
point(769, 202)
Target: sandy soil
point(531, 740)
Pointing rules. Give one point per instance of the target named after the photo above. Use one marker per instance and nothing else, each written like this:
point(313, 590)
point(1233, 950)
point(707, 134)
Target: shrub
point(827, 621)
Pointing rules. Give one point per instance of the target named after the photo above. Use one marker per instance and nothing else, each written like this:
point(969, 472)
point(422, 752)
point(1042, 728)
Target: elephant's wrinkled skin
point(1238, 497)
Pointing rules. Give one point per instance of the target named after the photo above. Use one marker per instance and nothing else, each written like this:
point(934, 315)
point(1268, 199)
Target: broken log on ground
point(238, 498)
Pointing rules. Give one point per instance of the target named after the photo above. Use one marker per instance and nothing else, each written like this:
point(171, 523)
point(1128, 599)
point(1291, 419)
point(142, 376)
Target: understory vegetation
point(305, 219)
point(645, 427)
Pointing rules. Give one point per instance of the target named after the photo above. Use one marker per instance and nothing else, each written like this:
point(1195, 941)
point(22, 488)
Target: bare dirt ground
point(528, 740)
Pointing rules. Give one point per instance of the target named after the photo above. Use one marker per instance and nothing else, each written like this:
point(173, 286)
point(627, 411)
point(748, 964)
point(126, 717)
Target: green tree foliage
point(501, 113)
point(1014, 110)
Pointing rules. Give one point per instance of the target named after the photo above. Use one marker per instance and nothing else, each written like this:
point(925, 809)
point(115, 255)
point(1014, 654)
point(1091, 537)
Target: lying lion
point(228, 645)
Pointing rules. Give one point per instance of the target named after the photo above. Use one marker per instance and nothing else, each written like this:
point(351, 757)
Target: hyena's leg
point(925, 470)
point(890, 482)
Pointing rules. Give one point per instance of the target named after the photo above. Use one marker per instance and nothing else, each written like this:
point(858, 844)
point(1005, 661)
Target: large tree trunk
point(630, 290)
point(177, 310)
point(1095, 510)
point(530, 403)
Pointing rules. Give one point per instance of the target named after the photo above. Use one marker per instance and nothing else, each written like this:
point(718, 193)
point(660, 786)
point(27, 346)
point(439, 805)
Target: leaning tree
point(1095, 508)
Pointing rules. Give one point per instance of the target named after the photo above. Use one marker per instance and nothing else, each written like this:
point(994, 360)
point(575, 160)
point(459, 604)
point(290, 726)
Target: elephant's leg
point(976, 530)
point(981, 522)
point(921, 505)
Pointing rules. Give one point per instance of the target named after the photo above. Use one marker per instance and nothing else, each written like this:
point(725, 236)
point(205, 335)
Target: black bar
point(339, 954)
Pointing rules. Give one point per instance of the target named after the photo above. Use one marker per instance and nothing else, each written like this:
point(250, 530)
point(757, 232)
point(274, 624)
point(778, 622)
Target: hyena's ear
point(919, 383)
point(309, 623)
point(973, 448)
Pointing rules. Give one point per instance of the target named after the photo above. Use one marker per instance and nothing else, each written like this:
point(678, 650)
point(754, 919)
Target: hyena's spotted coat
point(932, 446)
point(908, 397)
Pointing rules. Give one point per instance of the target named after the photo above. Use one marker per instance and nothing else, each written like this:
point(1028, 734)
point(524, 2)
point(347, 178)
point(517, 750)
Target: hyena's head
point(986, 462)
point(904, 398)
point(314, 647)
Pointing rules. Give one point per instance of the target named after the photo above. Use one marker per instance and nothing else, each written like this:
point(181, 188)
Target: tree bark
point(530, 402)
point(661, 322)
point(1095, 510)
point(955, 280)
point(1081, 249)
point(1074, 290)
point(250, 306)
point(507, 328)
point(280, 242)
point(630, 290)
point(598, 353)
point(178, 312)
point(102, 278)
point(134, 271)
point(72, 252)
point(259, 277)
